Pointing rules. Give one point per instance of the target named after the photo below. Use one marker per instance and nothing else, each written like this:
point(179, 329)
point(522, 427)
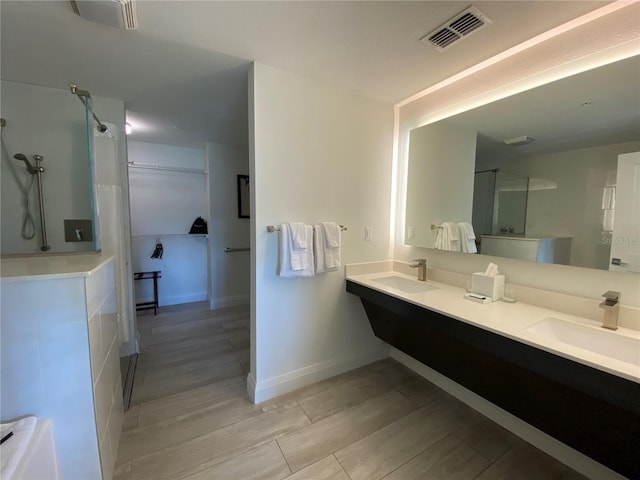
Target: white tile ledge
point(507, 319)
point(50, 267)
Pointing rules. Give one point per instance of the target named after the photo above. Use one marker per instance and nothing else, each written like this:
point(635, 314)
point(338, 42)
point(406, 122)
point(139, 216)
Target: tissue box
point(489, 286)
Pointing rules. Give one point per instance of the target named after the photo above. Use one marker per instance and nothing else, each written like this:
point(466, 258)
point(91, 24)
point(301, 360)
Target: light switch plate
point(411, 231)
point(368, 233)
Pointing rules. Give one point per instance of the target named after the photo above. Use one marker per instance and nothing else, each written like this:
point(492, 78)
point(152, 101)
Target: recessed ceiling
point(184, 69)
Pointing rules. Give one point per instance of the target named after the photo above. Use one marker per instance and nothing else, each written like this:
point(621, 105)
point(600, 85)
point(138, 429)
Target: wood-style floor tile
point(524, 463)
point(262, 463)
point(449, 459)
point(191, 417)
point(222, 444)
point(189, 400)
point(316, 441)
point(352, 391)
point(144, 391)
point(383, 451)
point(326, 469)
point(175, 430)
point(486, 437)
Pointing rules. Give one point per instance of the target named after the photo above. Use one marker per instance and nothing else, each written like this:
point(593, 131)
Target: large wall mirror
point(551, 174)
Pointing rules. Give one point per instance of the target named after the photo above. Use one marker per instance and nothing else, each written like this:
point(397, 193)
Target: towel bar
point(435, 227)
point(229, 249)
point(271, 228)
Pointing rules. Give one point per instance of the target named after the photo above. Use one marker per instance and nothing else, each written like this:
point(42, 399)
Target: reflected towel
point(327, 258)
point(607, 221)
point(608, 198)
point(303, 257)
point(467, 238)
point(448, 237)
point(12, 450)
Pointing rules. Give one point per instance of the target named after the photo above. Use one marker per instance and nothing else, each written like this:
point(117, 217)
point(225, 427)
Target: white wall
point(318, 153)
point(164, 205)
point(48, 122)
point(574, 208)
point(603, 40)
point(229, 272)
point(439, 191)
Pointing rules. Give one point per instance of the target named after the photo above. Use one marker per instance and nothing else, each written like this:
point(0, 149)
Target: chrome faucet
point(611, 306)
point(422, 268)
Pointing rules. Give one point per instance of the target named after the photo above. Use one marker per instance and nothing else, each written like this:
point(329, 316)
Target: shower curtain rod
point(83, 95)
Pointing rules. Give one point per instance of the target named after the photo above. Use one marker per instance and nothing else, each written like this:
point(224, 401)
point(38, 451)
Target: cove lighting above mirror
point(552, 198)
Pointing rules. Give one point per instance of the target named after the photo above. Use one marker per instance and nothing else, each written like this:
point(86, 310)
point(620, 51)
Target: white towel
point(467, 237)
point(332, 234)
point(13, 448)
point(327, 258)
point(298, 251)
point(298, 235)
point(304, 263)
point(448, 237)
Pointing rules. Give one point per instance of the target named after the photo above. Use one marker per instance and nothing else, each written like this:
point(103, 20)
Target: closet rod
point(145, 166)
point(271, 228)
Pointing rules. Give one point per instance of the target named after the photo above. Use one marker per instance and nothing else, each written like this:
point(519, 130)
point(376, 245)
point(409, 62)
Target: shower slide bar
point(83, 95)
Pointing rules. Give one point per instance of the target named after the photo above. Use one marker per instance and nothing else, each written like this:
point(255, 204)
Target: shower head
point(102, 128)
point(23, 158)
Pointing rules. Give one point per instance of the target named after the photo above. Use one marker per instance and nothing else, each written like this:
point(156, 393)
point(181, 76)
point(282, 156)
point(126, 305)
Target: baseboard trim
point(166, 300)
point(558, 450)
point(230, 301)
point(261, 391)
point(251, 386)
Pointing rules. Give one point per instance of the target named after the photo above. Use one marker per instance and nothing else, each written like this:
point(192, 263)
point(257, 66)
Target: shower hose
point(28, 230)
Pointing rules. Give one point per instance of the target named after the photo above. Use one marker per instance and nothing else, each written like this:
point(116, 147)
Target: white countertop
point(509, 320)
point(51, 266)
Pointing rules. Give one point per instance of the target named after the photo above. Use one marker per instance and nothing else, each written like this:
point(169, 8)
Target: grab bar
point(229, 249)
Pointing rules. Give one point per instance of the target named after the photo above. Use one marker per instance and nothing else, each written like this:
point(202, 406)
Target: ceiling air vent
point(115, 13)
point(458, 28)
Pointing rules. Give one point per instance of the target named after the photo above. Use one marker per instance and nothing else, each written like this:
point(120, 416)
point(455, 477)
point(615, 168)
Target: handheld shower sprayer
point(23, 158)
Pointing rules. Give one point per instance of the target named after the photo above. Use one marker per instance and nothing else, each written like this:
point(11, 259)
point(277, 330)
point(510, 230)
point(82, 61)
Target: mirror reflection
point(539, 175)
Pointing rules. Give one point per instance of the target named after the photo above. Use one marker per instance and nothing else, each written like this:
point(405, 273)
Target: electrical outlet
point(411, 231)
point(368, 233)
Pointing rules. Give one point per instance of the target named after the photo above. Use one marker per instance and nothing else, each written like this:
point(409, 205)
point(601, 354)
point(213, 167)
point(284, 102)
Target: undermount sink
point(593, 339)
point(404, 284)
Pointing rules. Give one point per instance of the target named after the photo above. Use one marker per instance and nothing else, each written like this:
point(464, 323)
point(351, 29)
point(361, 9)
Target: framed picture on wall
point(243, 196)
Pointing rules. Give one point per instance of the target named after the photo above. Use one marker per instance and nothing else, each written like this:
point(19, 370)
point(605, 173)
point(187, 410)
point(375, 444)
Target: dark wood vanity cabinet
point(594, 412)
